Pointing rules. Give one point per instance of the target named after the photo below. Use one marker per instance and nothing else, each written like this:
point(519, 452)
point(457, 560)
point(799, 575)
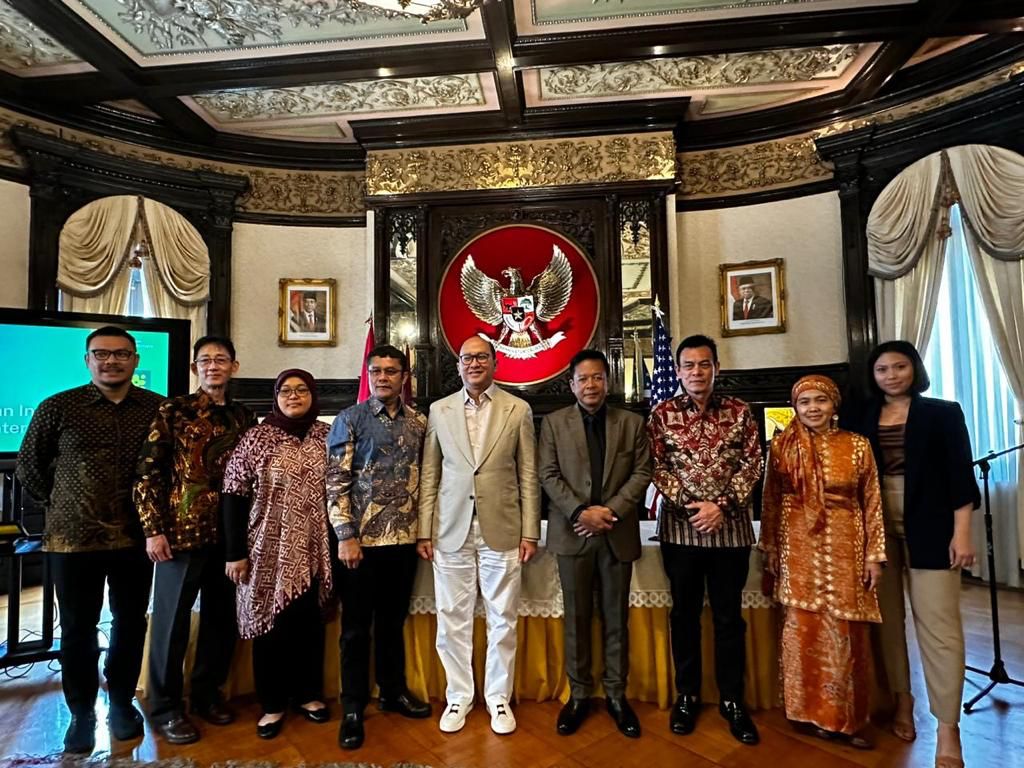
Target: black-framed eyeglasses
point(287, 392)
point(121, 355)
point(206, 362)
point(480, 357)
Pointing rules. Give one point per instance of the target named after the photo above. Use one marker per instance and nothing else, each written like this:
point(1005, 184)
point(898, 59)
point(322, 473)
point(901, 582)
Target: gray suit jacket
point(565, 475)
point(503, 484)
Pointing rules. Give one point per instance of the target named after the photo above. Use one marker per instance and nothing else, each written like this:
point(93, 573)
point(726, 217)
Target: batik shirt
point(182, 465)
point(711, 456)
point(78, 458)
point(373, 473)
point(287, 532)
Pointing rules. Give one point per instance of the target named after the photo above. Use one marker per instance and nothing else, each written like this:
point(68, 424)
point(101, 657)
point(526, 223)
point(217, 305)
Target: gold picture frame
point(752, 297)
point(306, 312)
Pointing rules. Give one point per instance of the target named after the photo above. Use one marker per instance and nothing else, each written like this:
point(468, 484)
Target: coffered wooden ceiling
point(314, 83)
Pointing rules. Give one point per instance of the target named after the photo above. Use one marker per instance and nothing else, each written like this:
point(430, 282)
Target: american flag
point(663, 386)
point(664, 383)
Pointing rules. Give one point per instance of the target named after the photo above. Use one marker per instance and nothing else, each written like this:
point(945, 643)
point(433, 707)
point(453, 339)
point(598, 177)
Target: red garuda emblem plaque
point(529, 291)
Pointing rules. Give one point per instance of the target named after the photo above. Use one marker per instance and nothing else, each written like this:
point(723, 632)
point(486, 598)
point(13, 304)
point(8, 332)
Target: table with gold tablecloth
point(540, 659)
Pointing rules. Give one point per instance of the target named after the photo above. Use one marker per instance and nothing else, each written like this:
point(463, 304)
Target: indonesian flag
point(364, 375)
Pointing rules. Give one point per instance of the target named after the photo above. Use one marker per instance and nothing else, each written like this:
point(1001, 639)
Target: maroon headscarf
point(294, 426)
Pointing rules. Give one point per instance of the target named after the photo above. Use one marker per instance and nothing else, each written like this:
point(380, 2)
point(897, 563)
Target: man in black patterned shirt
point(78, 459)
point(707, 460)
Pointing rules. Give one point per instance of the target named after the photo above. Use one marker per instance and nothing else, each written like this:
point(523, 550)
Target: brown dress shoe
point(177, 730)
point(214, 712)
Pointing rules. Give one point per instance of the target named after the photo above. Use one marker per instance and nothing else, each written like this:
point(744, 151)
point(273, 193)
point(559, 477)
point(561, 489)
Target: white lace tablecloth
point(542, 592)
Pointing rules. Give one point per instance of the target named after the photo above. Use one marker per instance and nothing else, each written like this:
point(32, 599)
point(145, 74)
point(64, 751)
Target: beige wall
point(806, 232)
point(14, 226)
point(260, 256)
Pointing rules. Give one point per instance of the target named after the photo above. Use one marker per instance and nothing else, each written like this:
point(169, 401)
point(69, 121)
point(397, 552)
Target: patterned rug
point(67, 761)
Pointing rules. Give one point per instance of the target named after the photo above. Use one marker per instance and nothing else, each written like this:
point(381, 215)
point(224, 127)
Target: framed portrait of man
point(306, 312)
point(753, 297)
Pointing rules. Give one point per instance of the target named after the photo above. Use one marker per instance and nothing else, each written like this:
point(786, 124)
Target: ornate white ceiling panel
point(324, 110)
point(27, 50)
point(159, 32)
point(540, 17)
point(756, 76)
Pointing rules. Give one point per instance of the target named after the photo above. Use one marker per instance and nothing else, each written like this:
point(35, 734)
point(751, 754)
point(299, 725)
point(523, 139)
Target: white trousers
point(456, 576)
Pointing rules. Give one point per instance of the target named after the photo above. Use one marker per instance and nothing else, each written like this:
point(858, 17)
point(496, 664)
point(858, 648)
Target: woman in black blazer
point(923, 454)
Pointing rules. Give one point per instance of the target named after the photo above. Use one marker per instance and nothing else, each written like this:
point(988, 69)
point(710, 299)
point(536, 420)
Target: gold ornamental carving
point(750, 168)
point(525, 164)
point(271, 190)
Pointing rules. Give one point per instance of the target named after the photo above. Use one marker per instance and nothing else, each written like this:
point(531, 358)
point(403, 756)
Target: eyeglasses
point(480, 357)
point(219, 360)
point(287, 392)
point(121, 355)
point(384, 371)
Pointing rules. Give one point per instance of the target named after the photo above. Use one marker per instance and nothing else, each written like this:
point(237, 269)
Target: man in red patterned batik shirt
point(707, 460)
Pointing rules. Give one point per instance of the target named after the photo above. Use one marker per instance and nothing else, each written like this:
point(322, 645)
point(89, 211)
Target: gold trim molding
point(271, 190)
point(739, 170)
point(793, 160)
point(522, 164)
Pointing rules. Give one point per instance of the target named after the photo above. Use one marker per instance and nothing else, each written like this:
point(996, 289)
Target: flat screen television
point(44, 353)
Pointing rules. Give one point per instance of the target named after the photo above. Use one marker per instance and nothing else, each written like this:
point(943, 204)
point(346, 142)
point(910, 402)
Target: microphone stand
point(997, 675)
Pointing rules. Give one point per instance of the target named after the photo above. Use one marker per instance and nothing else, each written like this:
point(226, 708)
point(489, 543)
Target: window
point(963, 365)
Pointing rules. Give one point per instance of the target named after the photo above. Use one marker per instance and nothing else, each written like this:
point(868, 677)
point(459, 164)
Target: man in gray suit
point(479, 521)
point(595, 466)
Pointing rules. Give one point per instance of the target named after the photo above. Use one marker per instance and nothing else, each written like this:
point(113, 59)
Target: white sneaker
point(454, 716)
point(502, 719)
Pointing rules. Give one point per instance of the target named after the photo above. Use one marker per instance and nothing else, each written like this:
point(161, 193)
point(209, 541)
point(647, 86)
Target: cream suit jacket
point(502, 484)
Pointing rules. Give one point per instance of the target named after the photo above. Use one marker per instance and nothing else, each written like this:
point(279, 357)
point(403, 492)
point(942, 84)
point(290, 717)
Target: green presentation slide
point(51, 359)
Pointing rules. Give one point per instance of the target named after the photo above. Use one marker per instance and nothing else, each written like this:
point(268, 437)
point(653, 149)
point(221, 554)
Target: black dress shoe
point(351, 735)
point(405, 704)
point(214, 712)
point(178, 730)
point(321, 715)
point(80, 737)
point(625, 718)
point(740, 725)
point(684, 714)
point(125, 722)
point(270, 730)
point(572, 715)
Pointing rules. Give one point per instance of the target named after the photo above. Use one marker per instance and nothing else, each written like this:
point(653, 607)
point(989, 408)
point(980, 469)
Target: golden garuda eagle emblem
point(517, 309)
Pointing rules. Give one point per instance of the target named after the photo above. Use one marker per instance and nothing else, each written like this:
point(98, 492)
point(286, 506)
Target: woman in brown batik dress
point(275, 524)
point(823, 539)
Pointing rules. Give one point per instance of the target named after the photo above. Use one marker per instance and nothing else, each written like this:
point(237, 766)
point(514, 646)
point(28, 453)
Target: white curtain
point(906, 233)
point(177, 275)
point(991, 185)
point(92, 273)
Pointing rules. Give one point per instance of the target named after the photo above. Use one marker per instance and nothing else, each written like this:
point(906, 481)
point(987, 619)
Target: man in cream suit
point(479, 521)
point(595, 466)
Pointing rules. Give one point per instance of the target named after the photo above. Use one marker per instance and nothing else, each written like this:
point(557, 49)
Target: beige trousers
point(935, 603)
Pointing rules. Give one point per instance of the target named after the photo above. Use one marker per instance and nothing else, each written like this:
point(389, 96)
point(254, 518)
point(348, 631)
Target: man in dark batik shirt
point(78, 459)
point(707, 460)
point(178, 495)
point(373, 467)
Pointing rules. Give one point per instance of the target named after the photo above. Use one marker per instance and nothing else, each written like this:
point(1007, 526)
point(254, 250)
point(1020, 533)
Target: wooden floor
point(33, 719)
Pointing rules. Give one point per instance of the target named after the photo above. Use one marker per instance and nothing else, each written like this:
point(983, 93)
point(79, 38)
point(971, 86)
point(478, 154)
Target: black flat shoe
point(351, 735)
point(625, 718)
point(321, 715)
point(80, 737)
point(404, 704)
point(572, 716)
point(125, 722)
point(270, 730)
point(684, 715)
point(740, 725)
